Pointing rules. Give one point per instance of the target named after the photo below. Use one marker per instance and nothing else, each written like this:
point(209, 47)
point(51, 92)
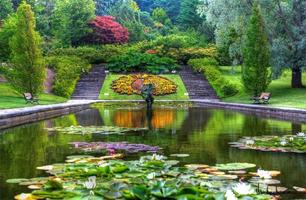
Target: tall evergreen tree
point(27, 71)
point(188, 17)
point(255, 73)
point(6, 7)
point(70, 20)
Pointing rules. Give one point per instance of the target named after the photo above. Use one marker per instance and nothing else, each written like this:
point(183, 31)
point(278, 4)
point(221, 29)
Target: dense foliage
point(255, 71)
point(68, 70)
point(26, 72)
point(188, 17)
point(105, 30)
point(285, 23)
point(135, 62)
point(208, 66)
point(6, 32)
point(70, 20)
point(6, 8)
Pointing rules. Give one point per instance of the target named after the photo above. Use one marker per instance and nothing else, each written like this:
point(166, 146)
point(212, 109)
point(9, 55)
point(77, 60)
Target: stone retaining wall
point(12, 119)
point(266, 111)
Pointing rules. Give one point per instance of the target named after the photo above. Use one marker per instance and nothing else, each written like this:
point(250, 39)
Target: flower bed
point(162, 85)
point(286, 143)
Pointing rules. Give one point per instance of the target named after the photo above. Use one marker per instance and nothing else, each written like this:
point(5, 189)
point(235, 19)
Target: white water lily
point(243, 189)
point(157, 157)
point(283, 143)
point(230, 195)
point(91, 183)
point(263, 174)
point(24, 196)
point(291, 139)
point(300, 134)
point(250, 142)
point(151, 175)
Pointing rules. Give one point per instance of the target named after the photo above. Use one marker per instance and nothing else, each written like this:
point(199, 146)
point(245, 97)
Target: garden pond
point(191, 135)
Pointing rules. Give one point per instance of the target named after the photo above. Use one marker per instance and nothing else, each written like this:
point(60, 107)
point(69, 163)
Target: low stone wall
point(266, 111)
point(15, 117)
point(18, 116)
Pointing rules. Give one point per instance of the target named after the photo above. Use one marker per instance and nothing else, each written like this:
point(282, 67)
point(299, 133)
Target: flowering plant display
point(162, 85)
point(286, 143)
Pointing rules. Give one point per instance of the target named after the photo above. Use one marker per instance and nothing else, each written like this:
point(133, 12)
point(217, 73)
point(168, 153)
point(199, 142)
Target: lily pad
point(180, 155)
point(16, 180)
point(234, 166)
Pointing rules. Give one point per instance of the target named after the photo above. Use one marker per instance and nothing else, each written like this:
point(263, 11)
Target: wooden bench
point(29, 98)
point(263, 98)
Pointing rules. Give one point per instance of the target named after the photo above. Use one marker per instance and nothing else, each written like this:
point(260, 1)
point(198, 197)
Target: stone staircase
point(89, 85)
point(197, 85)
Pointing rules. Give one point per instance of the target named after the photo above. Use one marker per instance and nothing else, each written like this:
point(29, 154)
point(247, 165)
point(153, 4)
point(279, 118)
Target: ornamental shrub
point(208, 66)
point(107, 31)
point(89, 54)
point(68, 70)
point(137, 62)
point(94, 54)
point(27, 69)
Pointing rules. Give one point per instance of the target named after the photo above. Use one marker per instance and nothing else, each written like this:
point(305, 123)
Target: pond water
point(204, 133)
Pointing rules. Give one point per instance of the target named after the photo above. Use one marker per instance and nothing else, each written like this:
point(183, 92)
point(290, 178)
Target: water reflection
point(202, 133)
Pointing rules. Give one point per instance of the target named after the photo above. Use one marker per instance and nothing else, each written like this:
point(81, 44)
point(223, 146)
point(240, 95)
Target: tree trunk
point(296, 81)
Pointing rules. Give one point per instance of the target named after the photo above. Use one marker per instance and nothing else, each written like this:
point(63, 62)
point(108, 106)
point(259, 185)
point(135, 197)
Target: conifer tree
point(256, 75)
point(27, 68)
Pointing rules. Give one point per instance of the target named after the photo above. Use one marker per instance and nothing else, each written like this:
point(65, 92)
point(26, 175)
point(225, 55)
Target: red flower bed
point(107, 31)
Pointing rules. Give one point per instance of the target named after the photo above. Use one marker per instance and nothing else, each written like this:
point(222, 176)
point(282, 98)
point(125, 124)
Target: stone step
point(89, 85)
point(197, 85)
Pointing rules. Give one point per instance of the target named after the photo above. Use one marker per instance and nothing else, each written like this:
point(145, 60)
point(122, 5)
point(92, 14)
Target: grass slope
point(282, 93)
point(9, 98)
point(106, 89)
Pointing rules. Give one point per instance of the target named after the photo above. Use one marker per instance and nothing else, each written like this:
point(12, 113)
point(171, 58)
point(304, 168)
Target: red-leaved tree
point(107, 31)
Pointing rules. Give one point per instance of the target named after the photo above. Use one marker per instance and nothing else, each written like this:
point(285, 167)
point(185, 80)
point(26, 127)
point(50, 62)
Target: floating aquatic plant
point(83, 130)
point(151, 177)
point(287, 143)
point(116, 146)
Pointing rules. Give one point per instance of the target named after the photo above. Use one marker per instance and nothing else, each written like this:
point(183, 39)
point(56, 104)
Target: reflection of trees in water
point(21, 150)
point(24, 148)
point(89, 117)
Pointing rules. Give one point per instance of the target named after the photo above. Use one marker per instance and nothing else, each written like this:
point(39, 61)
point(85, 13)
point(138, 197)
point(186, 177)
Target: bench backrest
point(28, 96)
point(265, 95)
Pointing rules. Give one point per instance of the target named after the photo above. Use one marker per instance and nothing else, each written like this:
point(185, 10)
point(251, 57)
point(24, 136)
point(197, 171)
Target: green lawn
point(106, 89)
point(11, 99)
point(282, 94)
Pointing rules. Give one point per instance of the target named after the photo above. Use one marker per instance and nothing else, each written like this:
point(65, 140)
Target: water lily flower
point(250, 142)
point(230, 195)
point(24, 196)
point(283, 143)
point(91, 183)
point(157, 157)
point(151, 175)
point(291, 139)
point(300, 134)
point(243, 189)
point(263, 174)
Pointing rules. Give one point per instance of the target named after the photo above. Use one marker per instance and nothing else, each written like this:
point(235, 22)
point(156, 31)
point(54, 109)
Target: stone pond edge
point(18, 116)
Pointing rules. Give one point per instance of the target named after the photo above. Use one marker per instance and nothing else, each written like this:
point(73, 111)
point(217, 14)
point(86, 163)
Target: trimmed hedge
point(68, 70)
point(141, 62)
point(93, 54)
point(208, 66)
